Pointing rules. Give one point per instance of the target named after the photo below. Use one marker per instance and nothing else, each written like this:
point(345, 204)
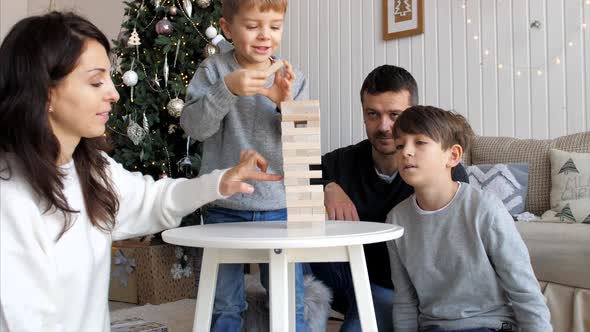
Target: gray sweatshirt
point(463, 266)
point(227, 124)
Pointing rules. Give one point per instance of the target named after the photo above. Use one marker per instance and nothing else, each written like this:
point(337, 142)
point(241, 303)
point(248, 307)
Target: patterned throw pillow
point(570, 187)
point(509, 182)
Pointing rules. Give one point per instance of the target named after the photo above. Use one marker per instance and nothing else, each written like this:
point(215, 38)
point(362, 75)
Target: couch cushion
point(559, 252)
point(508, 182)
point(570, 187)
point(495, 150)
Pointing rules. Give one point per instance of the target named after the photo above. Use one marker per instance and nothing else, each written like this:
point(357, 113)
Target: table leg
point(362, 288)
point(279, 295)
point(292, 297)
point(206, 290)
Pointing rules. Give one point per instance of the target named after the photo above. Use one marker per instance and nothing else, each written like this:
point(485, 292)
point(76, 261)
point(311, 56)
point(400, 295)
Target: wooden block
point(296, 182)
point(301, 117)
point(302, 146)
point(303, 175)
point(308, 152)
point(274, 67)
point(295, 167)
point(300, 106)
point(302, 160)
point(287, 125)
point(318, 196)
point(291, 197)
point(305, 203)
point(304, 218)
point(318, 210)
point(302, 189)
point(300, 131)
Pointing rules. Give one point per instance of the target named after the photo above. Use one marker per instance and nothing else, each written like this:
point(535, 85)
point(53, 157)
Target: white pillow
point(570, 187)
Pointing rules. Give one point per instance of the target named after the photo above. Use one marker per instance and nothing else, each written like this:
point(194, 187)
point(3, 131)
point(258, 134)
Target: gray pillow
point(509, 182)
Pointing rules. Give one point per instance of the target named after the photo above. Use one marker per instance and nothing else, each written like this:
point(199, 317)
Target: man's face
point(379, 113)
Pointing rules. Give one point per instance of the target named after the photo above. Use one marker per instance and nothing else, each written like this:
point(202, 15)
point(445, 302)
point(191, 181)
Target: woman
point(63, 200)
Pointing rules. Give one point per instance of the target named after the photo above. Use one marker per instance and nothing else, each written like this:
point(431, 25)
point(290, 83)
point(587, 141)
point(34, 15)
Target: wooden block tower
point(301, 162)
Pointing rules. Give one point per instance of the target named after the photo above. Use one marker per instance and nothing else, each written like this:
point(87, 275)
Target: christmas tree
point(154, 58)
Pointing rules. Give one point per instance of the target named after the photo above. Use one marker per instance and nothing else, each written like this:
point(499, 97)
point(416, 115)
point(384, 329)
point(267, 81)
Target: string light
point(539, 69)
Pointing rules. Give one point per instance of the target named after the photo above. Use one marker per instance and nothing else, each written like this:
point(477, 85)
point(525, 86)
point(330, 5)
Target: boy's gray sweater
point(463, 266)
point(228, 124)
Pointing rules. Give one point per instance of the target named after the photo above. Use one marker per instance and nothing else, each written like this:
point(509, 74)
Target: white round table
point(281, 247)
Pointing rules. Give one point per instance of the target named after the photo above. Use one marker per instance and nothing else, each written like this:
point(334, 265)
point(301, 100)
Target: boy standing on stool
point(461, 264)
point(233, 105)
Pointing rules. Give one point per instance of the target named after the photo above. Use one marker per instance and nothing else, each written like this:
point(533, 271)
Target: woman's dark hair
point(36, 55)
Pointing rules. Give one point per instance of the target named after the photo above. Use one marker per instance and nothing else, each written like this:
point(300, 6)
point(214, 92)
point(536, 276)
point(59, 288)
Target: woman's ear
point(455, 155)
point(225, 28)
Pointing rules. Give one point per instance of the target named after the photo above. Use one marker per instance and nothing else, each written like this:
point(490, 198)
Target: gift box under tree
point(155, 273)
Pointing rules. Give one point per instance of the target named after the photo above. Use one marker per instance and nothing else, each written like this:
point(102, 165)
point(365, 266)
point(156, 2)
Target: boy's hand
point(245, 82)
point(281, 89)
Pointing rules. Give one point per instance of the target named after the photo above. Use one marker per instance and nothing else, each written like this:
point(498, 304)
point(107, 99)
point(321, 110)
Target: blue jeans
point(337, 276)
point(230, 298)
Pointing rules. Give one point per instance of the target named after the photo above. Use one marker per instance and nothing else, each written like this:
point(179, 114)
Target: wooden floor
point(333, 324)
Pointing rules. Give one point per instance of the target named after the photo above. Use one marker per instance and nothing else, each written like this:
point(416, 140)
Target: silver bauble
point(130, 78)
point(210, 50)
point(203, 3)
point(173, 10)
point(175, 107)
point(164, 27)
point(211, 32)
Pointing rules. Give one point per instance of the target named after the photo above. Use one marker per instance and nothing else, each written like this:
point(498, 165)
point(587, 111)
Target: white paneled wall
point(481, 58)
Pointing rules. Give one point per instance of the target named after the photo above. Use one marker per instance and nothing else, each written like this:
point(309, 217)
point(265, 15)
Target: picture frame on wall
point(402, 18)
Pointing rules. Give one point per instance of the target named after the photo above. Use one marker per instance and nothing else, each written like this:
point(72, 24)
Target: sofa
point(560, 252)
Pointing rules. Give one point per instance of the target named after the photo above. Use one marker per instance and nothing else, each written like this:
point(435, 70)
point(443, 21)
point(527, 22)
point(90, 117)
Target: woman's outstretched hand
point(233, 180)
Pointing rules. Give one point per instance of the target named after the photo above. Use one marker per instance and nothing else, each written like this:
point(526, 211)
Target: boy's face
point(256, 35)
point(421, 161)
point(379, 114)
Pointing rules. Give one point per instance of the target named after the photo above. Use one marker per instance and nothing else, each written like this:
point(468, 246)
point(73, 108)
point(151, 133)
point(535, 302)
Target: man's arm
point(338, 204)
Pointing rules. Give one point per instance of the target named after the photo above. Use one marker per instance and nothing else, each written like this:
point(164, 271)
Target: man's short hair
point(388, 78)
point(446, 127)
point(229, 8)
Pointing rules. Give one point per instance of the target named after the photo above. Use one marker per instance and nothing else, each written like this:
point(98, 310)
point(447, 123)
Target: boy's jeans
point(230, 297)
point(338, 277)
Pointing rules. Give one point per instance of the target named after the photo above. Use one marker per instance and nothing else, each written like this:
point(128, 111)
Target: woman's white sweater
point(49, 285)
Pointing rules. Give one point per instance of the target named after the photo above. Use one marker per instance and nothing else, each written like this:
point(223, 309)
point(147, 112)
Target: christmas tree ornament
point(164, 27)
point(175, 107)
point(146, 125)
point(166, 70)
point(176, 53)
point(211, 32)
point(135, 132)
point(173, 11)
point(157, 3)
point(134, 39)
point(188, 7)
point(123, 36)
point(203, 3)
point(210, 50)
point(130, 78)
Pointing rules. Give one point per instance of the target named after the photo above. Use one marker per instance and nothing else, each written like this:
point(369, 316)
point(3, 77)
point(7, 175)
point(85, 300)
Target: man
point(363, 184)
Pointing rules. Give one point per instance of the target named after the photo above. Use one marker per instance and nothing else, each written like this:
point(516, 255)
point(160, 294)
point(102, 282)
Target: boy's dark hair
point(388, 78)
point(446, 127)
point(229, 8)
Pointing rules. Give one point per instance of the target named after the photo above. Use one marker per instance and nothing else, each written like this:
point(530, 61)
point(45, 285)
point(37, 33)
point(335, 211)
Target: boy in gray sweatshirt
point(233, 105)
point(461, 264)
